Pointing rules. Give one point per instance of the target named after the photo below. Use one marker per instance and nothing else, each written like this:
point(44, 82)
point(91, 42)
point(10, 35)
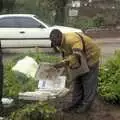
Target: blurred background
point(82, 14)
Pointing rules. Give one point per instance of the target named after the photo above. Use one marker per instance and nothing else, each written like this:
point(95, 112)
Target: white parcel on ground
point(50, 84)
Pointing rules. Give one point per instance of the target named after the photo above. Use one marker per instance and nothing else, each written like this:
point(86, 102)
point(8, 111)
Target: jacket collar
point(63, 41)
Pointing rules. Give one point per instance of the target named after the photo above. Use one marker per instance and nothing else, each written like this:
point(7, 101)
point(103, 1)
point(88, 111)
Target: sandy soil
point(99, 111)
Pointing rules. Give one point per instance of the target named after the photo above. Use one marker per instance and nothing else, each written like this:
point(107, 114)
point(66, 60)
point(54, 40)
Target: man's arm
point(73, 60)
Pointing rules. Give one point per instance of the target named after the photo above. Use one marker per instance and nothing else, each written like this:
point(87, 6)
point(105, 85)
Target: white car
point(26, 31)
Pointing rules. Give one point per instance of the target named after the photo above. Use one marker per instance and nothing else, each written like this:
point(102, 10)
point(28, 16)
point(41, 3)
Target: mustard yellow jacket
point(72, 46)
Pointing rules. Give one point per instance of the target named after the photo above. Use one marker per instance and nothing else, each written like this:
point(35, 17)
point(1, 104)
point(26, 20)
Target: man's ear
point(52, 44)
point(56, 50)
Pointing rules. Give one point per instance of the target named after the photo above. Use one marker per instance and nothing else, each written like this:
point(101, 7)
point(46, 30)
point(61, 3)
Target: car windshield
point(42, 21)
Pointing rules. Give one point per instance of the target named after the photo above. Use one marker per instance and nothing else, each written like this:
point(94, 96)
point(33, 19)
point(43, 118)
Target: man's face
point(56, 41)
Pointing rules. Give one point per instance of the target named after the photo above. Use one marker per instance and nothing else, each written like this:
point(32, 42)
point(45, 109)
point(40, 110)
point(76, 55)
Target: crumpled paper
point(46, 71)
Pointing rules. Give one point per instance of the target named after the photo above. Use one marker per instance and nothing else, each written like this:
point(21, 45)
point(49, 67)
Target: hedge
point(109, 79)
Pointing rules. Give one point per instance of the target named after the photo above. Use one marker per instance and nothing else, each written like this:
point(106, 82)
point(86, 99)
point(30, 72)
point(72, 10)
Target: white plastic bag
point(27, 66)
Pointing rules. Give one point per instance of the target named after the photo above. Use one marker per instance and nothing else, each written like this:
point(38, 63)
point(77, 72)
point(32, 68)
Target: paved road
point(108, 46)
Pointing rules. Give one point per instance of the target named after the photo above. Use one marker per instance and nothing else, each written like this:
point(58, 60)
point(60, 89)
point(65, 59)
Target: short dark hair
point(55, 34)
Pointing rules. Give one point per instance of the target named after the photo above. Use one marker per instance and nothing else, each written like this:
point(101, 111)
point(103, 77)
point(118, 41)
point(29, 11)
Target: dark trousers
point(85, 86)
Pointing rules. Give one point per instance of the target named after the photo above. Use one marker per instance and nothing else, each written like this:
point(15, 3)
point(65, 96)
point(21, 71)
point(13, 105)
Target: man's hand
point(59, 65)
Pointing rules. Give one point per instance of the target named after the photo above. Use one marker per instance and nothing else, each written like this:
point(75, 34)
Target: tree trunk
point(60, 12)
point(1, 65)
point(59, 18)
point(1, 5)
point(1, 79)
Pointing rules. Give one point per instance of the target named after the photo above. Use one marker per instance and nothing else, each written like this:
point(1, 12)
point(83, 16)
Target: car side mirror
point(41, 26)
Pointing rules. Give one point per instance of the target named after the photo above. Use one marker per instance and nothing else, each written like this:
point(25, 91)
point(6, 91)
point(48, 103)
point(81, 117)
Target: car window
point(45, 23)
point(8, 23)
point(27, 22)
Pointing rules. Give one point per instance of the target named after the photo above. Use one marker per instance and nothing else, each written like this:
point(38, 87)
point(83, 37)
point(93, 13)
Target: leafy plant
point(83, 23)
point(39, 57)
point(98, 20)
point(15, 83)
point(39, 111)
point(109, 79)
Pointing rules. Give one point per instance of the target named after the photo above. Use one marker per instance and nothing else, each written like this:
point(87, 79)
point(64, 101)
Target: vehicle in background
point(27, 31)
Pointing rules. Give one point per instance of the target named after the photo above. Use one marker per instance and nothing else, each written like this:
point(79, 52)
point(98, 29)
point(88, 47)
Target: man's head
point(56, 37)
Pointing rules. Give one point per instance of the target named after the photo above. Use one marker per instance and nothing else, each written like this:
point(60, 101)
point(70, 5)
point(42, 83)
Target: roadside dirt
point(99, 111)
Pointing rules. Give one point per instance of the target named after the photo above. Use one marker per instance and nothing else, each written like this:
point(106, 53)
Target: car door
point(36, 34)
point(10, 35)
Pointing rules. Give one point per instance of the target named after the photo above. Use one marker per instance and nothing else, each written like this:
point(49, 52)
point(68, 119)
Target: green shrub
point(39, 111)
point(39, 57)
point(98, 20)
point(83, 23)
point(109, 77)
point(15, 83)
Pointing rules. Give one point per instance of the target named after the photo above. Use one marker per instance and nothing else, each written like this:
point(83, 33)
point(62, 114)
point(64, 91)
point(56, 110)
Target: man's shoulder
point(68, 34)
point(71, 37)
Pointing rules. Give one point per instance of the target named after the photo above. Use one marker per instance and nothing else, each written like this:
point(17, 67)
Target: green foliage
point(98, 20)
point(83, 23)
point(1, 5)
point(109, 85)
point(15, 83)
point(42, 57)
point(39, 57)
point(86, 22)
point(42, 8)
point(39, 111)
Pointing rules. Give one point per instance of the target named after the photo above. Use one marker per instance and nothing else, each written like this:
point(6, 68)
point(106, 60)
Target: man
point(81, 55)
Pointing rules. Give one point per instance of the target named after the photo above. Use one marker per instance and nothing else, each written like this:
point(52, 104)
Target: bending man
point(81, 56)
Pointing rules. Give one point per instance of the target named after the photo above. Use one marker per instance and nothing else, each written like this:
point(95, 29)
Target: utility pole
point(60, 11)
point(1, 5)
point(1, 79)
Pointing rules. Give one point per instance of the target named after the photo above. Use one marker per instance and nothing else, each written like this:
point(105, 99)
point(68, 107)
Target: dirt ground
point(100, 110)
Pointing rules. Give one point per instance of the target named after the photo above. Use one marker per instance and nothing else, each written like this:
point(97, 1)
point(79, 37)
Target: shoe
point(83, 108)
point(70, 108)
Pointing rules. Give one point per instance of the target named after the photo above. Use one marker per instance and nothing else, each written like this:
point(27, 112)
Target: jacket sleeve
point(73, 60)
